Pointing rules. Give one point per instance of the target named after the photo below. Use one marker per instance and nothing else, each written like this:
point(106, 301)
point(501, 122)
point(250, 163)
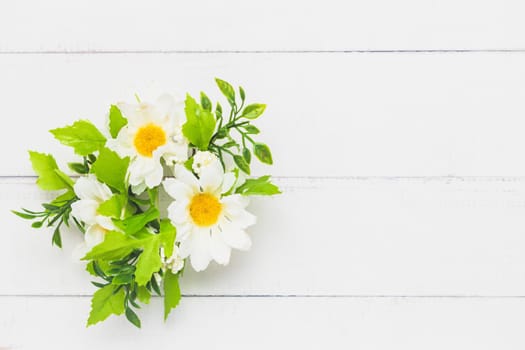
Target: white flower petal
point(136, 171)
point(175, 152)
point(183, 231)
point(160, 151)
point(88, 187)
point(228, 182)
point(241, 219)
point(184, 175)
point(235, 203)
point(105, 222)
point(178, 213)
point(211, 178)
point(85, 210)
point(177, 190)
point(154, 178)
point(200, 253)
point(94, 235)
point(186, 245)
point(205, 159)
point(178, 264)
point(138, 114)
point(236, 238)
point(219, 250)
point(123, 144)
point(139, 168)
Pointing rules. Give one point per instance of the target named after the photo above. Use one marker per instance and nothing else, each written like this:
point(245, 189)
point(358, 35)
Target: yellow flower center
point(148, 138)
point(205, 209)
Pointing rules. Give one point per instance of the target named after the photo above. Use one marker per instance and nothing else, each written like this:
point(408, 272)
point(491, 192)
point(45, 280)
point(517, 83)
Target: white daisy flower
point(203, 160)
point(154, 131)
point(174, 263)
point(208, 222)
point(92, 193)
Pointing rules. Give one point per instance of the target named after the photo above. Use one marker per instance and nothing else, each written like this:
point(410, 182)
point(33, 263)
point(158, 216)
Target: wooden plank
point(61, 25)
point(447, 236)
point(266, 323)
point(328, 114)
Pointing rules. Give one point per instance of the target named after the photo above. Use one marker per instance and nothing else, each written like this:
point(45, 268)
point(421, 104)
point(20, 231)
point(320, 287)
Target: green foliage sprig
point(231, 135)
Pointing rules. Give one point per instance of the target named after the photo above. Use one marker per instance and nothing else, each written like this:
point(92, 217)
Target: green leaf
point(171, 292)
point(116, 121)
point(253, 111)
point(227, 90)
point(115, 246)
point(143, 294)
point(98, 285)
point(113, 207)
point(78, 168)
point(167, 235)
point(23, 215)
point(132, 317)
point(111, 169)
point(218, 110)
point(149, 262)
point(37, 224)
point(200, 124)
point(65, 178)
point(106, 302)
point(241, 163)
point(205, 102)
point(122, 279)
point(155, 285)
point(260, 186)
point(135, 223)
point(247, 155)
point(230, 144)
point(221, 133)
point(63, 198)
point(251, 129)
point(83, 136)
point(242, 93)
point(189, 164)
point(97, 269)
point(121, 269)
point(100, 268)
point(262, 152)
point(49, 207)
point(153, 194)
point(46, 168)
point(57, 239)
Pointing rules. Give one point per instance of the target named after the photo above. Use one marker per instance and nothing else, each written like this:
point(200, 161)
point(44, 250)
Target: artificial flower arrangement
point(199, 155)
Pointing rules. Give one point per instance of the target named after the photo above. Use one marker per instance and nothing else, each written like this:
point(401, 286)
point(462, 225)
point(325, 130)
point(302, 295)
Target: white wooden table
point(398, 135)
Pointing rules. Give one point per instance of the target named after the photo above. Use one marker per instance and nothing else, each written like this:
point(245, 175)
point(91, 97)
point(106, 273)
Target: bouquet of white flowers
point(199, 155)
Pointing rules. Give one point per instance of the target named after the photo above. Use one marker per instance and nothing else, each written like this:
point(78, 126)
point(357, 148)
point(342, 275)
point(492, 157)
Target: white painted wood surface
point(373, 114)
point(273, 323)
point(402, 224)
point(203, 25)
point(409, 237)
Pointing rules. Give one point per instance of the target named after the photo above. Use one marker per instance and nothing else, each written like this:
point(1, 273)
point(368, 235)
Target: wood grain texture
point(271, 323)
point(328, 114)
point(356, 237)
point(62, 25)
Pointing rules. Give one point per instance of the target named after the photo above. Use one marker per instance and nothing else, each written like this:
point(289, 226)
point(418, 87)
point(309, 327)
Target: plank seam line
point(290, 296)
point(458, 178)
point(350, 51)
